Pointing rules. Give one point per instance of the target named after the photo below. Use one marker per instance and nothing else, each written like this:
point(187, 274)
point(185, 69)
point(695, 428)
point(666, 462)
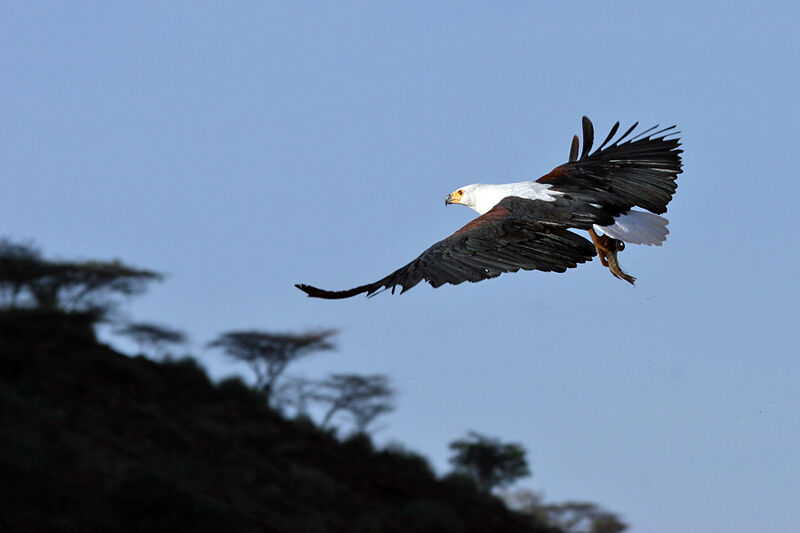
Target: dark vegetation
point(488, 462)
point(152, 339)
point(95, 440)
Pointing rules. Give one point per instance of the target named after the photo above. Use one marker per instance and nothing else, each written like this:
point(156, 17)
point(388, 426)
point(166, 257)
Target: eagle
point(527, 225)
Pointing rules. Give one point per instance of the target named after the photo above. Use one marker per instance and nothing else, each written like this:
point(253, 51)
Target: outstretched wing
point(640, 171)
point(516, 234)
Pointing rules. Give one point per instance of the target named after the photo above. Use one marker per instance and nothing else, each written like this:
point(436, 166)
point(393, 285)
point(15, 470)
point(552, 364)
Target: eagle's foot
point(607, 249)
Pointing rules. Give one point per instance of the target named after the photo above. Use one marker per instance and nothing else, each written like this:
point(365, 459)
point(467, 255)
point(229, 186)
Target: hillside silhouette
point(95, 440)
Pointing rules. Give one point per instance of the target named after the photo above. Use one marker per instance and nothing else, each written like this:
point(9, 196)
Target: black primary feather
point(610, 135)
point(588, 136)
point(638, 172)
point(573, 150)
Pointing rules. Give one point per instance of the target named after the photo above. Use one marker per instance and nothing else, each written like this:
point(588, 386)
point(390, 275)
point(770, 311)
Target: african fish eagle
point(526, 225)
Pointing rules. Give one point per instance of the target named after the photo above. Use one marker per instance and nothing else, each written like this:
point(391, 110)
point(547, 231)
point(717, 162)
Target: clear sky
point(241, 148)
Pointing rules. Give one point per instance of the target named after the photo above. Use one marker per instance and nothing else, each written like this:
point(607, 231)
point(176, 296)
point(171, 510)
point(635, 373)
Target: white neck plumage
point(482, 197)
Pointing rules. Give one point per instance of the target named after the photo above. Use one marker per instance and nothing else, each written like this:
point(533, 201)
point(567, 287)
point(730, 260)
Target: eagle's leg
point(607, 249)
point(601, 249)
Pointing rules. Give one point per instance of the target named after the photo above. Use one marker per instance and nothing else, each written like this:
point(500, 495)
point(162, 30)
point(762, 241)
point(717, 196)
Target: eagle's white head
point(478, 196)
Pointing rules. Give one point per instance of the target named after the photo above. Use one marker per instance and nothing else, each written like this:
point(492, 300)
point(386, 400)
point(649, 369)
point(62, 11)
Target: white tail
point(637, 227)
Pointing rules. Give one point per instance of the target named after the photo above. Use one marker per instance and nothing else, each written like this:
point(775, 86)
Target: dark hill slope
point(92, 440)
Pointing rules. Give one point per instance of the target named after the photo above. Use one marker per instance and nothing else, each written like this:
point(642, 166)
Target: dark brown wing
point(516, 234)
point(640, 171)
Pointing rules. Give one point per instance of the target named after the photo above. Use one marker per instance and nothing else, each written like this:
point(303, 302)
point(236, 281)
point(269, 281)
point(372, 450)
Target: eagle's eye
point(459, 192)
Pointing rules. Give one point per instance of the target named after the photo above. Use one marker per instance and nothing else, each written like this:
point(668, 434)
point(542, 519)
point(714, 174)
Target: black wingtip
point(314, 292)
point(308, 289)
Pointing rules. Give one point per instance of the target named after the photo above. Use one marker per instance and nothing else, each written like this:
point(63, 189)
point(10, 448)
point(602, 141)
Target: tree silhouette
point(490, 462)
point(295, 393)
point(268, 354)
point(570, 517)
point(583, 517)
point(30, 281)
point(152, 337)
point(364, 398)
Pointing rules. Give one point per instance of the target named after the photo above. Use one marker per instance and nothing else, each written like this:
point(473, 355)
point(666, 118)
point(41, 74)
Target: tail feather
point(637, 227)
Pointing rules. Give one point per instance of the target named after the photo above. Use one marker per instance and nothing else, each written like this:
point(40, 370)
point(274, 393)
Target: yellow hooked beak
point(454, 197)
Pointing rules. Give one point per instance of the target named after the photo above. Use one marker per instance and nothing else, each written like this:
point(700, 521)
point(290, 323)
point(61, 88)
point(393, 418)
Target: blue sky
point(241, 148)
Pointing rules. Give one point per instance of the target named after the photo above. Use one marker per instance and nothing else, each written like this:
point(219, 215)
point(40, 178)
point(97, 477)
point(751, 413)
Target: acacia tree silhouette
point(364, 398)
point(29, 281)
point(268, 354)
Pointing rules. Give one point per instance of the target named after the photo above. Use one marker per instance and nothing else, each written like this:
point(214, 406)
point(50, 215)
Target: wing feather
point(628, 132)
point(610, 135)
point(588, 136)
point(573, 151)
point(638, 172)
